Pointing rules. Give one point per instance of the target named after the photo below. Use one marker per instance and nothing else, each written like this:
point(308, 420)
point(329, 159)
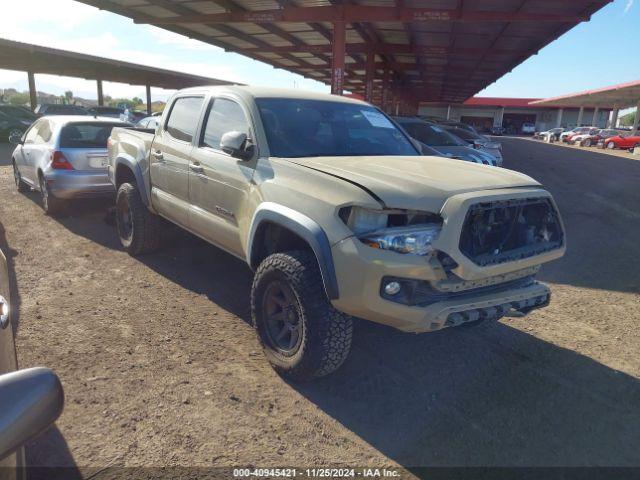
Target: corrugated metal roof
point(474, 42)
point(616, 96)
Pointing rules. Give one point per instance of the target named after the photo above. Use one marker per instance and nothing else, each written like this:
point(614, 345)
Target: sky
point(594, 54)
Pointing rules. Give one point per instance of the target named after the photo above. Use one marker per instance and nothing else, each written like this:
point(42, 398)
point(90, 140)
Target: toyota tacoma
point(338, 214)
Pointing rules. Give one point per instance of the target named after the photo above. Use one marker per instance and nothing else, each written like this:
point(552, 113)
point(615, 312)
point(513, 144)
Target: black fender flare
point(305, 228)
point(137, 172)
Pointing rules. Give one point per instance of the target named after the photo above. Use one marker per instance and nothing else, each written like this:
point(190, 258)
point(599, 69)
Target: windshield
point(314, 128)
point(432, 135)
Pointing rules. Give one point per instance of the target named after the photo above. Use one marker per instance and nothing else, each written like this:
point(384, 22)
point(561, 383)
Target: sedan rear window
point(87, 135)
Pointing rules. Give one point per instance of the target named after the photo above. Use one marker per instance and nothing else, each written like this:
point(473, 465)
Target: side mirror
point(30, 401)
point(237, 144)
point(15, 138)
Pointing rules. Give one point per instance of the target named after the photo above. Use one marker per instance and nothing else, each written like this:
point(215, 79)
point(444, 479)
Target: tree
point(68, 96)
point(137, 101)
point(19, 99)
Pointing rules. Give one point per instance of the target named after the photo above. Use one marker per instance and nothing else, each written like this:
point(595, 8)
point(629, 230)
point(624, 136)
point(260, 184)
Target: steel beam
point(148, 88)
point(370, 72)
point(33, 93)
point(100, 95)
point(337, 58)
point(361, 13)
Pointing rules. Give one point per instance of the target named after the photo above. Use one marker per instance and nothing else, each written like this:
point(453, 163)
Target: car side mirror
point(15, 138)
point(237, 144)
point(30, 401)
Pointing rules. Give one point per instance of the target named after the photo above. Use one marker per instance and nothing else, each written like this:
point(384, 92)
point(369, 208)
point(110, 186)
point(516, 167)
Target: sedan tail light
point(60, 162)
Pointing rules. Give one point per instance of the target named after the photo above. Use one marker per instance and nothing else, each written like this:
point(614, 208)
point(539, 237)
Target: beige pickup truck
point(339, 215)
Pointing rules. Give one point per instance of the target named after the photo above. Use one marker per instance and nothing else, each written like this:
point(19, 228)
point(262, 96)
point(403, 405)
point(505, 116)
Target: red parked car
point(621, 141)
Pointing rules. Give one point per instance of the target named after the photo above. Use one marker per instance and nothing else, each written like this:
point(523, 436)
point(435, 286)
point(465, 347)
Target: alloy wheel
point(44, 193)
point(125, 221)
point(281, 312)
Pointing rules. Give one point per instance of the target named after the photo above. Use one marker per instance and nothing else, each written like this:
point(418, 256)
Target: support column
point(636, 119)
point(614, 117)
point(497, 122)
point(100, 95)
point(33, 94)
point(594, 119)
point(337, 57)
point(448, 112)
point(149, 99)
point(580, 115)
point(370, 72)
point(559, 119)
point(385, 90)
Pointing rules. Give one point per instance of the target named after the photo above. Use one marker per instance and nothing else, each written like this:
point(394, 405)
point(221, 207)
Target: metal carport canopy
point(615, 97)
point(400, 50)
point(37, 59)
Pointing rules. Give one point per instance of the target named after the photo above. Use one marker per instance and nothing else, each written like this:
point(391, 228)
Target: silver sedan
point(64, 157)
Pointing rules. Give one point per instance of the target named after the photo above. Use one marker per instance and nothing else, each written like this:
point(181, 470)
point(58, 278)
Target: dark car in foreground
point(30, 400)
point(60, 109)
point(113, 112)
point(477, 141)
point(448, 145)
point(14, 120)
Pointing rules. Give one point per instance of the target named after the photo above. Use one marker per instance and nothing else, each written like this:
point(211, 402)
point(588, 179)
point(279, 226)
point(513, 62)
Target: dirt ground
point(161, 368)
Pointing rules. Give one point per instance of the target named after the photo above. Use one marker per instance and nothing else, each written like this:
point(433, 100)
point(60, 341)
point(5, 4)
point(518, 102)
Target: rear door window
point(87, 135)
point(183, 118)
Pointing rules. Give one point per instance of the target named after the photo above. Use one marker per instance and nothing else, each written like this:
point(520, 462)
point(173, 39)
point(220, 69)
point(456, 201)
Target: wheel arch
point(126, 169)
point(306, 229)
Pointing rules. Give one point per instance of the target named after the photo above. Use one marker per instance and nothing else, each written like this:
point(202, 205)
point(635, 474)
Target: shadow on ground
point(50, 449)
point(487, 395)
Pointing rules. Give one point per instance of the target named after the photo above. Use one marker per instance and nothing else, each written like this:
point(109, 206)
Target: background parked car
point(528, 128)
point(548, 134)
point(14, 120)
point(30, 400)
point(578, 137)
point(149, 122)
point(448, 145)
point(622, 140)
point(564, 136)
point(592, 139)
point(477, 141)
point(113, 112)
point(58, 109)
point(64, 157)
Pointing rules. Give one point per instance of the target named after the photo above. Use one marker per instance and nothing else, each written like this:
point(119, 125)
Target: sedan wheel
point(587, 142)
point(22, 187)
point(611, 145)
point(50, 204)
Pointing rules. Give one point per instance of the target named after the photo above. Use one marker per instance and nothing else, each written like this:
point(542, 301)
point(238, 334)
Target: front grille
point(508, 230)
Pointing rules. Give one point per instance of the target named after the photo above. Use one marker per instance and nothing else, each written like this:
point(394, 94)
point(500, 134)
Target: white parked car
point(528, 128)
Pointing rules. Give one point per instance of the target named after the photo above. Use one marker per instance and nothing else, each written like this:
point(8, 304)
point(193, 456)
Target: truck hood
point(420, 183)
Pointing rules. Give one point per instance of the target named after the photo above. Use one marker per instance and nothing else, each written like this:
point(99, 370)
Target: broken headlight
point(402, 231)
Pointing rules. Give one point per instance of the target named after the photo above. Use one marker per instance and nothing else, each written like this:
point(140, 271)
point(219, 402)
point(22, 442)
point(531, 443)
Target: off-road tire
point(326, 332)
point(145, 229)
point(50, 204)
point(20, 185)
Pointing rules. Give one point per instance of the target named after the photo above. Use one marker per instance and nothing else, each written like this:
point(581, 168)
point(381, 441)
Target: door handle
point(196, 168)
point(157, 155)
